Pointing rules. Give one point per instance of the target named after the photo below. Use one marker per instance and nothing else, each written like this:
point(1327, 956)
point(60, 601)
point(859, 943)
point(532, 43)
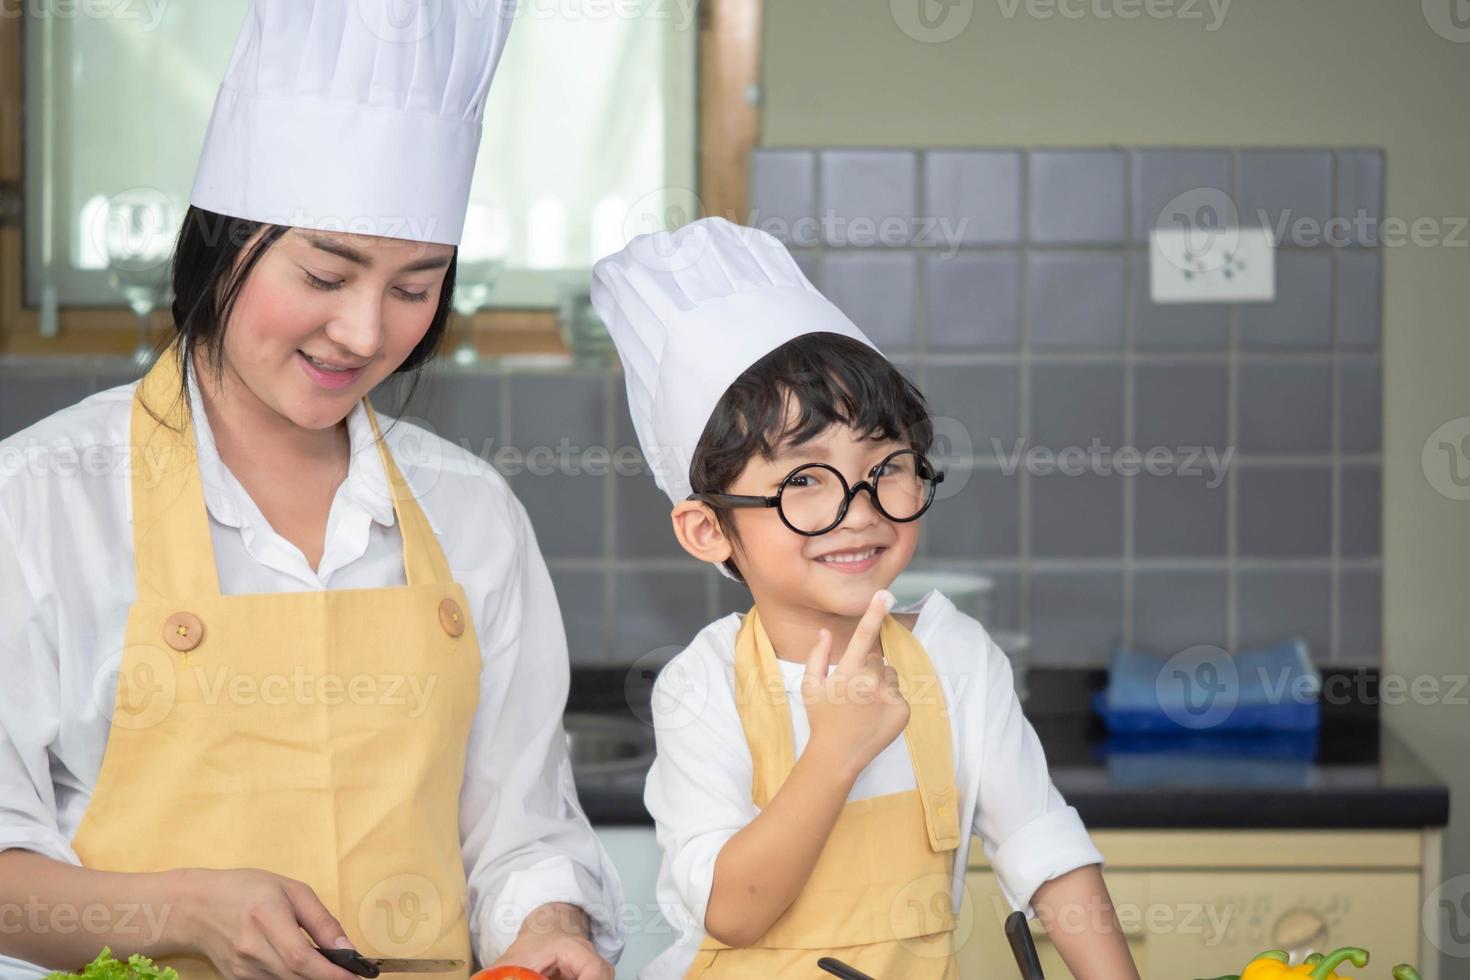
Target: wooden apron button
point(450, 617)
point(183, 631)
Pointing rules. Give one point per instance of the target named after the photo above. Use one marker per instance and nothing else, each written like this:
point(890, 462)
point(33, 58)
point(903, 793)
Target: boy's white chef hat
point(359, 116)
point(689, 311)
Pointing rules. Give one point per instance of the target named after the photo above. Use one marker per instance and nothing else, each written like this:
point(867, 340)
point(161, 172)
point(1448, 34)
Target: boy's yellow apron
point(879, 896)
point(320, 735)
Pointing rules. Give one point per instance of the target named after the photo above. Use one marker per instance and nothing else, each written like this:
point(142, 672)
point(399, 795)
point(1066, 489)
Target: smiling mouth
point(328, 366)
point(856, 557)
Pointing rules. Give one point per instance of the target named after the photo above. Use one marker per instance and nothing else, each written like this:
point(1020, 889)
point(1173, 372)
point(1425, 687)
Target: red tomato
point(507, 973)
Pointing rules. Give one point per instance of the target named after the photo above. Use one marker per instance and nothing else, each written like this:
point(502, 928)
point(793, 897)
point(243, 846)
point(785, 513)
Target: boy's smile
point(852, 561)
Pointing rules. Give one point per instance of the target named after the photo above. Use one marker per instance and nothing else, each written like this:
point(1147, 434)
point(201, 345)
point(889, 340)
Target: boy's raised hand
point(857, 709)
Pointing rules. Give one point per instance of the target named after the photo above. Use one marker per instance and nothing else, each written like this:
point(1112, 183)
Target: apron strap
point(929, 733)
point(761, 700)
point(760, 697)
point(423, 559)
point(174, 553)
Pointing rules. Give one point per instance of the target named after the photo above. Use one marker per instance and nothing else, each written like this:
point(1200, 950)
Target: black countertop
point(1351, 774)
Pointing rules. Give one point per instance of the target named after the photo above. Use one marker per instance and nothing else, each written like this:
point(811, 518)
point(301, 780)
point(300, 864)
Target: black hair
point(791, 396)
point(212, 259)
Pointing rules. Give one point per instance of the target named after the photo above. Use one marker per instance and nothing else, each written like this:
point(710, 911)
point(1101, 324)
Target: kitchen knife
point(1023, 946)
point(840, 969)
point(370, 966)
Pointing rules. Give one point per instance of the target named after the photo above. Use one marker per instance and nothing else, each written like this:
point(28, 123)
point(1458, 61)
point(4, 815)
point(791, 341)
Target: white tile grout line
point(921, 308)
point(1232, 480)
point(1129, 392)
point(969, 248)
point(1214, 563)
point(1203, 563)
point(1023, 390)
point(1011, 565)
point(504, 428)
point(1165, 358)
point(1334, 630)
point(1257, 460)
point(1162, 356)
point(608, 653)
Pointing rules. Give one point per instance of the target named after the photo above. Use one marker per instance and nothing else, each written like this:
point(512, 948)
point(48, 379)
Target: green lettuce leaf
point(104, 967)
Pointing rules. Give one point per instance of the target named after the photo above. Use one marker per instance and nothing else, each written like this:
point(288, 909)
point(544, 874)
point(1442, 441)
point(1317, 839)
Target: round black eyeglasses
point(813, 498)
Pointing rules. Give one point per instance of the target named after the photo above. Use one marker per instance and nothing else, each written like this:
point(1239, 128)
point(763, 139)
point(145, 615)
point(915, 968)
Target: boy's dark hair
point(828, 379)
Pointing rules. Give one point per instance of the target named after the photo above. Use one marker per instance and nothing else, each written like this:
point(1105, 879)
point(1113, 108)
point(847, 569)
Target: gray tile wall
point(1019, 302)
point(1034, 326)
point(605, 537)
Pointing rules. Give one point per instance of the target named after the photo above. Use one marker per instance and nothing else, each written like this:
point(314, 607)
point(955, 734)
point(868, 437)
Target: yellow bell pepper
point(1274, 965)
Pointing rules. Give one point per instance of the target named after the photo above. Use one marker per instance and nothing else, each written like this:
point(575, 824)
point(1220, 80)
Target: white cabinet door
point(1299, 911)
point(634, 852)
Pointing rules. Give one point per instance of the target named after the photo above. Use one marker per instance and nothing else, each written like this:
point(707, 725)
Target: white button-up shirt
point(699, 788)
point(67, 579)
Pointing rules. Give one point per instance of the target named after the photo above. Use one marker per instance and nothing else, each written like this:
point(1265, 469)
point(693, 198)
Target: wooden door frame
point(728, 127)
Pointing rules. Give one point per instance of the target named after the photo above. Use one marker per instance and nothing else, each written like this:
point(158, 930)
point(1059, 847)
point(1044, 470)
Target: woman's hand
point(249, 923)
point(554, 942)
point(858, 709)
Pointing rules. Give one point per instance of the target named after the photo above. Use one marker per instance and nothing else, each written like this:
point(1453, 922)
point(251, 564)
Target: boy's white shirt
point(698, 788)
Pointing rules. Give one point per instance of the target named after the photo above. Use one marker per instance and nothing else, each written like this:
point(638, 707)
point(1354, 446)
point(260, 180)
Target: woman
point(264, 689)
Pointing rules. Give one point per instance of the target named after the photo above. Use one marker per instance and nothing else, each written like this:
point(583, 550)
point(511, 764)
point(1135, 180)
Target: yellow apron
point(320, 735)
point(879, 896)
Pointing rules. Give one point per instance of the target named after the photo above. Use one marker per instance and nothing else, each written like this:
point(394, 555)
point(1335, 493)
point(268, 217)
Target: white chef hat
point(361, 116)
point(689, 311)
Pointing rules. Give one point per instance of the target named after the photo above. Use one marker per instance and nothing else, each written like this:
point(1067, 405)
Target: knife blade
point(370, 966)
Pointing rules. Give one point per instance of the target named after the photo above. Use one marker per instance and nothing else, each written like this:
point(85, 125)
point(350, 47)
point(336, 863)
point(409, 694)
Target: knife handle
point(1023, 946)
point(840, 969)
point(351, 961)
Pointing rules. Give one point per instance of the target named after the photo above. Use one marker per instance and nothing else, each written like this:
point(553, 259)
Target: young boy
point(795, 822)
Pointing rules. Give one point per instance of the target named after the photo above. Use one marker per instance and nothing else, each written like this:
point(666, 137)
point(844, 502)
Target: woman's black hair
point(791, 396)
point(212, 260)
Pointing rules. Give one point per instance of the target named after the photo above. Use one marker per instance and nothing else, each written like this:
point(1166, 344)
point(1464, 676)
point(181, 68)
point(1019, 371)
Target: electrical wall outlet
point(1218, 265)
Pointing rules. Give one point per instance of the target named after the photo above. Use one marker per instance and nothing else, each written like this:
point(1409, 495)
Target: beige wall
point(1273, 73)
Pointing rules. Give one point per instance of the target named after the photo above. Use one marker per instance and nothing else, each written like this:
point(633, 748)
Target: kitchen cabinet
point(1201, 903)
point(1209, 864)
point(634, 852)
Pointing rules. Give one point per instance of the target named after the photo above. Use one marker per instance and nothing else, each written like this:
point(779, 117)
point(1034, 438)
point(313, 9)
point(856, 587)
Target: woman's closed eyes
point(327, 286)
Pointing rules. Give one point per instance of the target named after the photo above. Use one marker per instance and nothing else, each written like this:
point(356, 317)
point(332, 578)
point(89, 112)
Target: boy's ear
point(698, 531)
